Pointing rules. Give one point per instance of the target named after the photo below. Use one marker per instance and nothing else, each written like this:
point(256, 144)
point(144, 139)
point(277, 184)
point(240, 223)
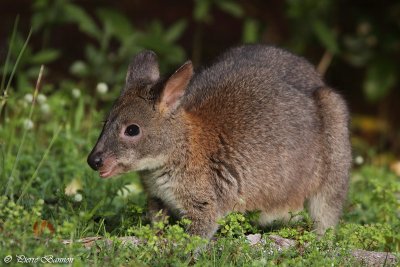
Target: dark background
point(362, 38)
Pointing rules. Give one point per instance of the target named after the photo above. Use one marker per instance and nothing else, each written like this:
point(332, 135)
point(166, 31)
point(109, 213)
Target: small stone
point(253, 239)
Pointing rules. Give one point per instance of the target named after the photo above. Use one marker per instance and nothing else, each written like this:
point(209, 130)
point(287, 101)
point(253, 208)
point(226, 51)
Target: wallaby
point(256, 130)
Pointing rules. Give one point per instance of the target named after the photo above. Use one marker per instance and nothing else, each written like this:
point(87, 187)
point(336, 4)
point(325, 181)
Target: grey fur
point(257, 130)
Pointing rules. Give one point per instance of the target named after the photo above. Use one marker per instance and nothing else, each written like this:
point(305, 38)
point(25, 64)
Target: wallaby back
point(244, 64)
point(257, 130)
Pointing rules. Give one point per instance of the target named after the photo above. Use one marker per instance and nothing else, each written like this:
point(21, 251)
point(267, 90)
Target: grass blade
point(5, 92)
point(3, 79)
point(45, 155)
point(17, 158)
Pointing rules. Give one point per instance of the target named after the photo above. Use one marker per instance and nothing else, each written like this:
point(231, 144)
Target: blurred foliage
point(115, 39)
point(202, 11)
point(358, 38)
point(368, 45)
point(30, 62)
point(311, 21)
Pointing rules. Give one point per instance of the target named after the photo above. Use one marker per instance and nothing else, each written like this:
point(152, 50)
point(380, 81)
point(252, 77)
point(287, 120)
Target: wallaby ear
point(142, 69)
point(175, 87)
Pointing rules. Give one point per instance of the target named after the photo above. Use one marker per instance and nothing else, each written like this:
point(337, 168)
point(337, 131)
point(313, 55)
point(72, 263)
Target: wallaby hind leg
point(325, 207)
point(326, 204)
point(267, 218)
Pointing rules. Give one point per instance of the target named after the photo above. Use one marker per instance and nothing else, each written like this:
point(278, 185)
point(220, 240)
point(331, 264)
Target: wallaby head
point(142, 126)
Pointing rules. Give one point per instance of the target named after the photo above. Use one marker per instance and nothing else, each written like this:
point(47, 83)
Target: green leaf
point(45, 56)
point(231, 8)
point(79, 112)
point(381, 77)
point(38, 21)
point(201, 11)
point(250, 31)
point(93, 54)
point(118, 24)
point(79, 68)
point(175, 31)
point(85, 23)
point(326, 36)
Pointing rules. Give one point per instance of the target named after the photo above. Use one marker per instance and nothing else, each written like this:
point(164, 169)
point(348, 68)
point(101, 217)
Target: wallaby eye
point(132, 130)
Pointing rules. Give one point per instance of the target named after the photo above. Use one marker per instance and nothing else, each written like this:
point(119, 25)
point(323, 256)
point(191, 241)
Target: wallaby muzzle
point(95, 160)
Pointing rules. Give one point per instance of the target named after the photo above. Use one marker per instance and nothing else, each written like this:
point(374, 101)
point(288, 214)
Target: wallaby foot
point(267, 218)
point(203, 222)
point(325, 208)
point(157, 211)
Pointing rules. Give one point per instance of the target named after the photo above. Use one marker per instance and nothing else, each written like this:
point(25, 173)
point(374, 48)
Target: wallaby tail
point(326, 205)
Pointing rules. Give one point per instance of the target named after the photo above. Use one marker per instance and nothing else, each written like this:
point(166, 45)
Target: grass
point(50, 195)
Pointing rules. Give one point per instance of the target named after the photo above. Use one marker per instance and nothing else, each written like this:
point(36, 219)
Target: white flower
point(79, 68)
point(102, 88)
point(28, 98)
point(76, 93)
point(78, 198)
point(41, 98)
point(73, 187)
point(45, 108)
point(28, 124)
point(359, 160)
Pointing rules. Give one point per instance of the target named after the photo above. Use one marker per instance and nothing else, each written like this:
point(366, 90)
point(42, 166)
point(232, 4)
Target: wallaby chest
point(162, 184)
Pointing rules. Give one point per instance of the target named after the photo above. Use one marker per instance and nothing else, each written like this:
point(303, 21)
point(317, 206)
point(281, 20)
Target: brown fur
point(257, 130)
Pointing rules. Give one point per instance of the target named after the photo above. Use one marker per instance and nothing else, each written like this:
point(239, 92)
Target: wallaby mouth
point(106, 166)
point(107, 173)
point(109, 170)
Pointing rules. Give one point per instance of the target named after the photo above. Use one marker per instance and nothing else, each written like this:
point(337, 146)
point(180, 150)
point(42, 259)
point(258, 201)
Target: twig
point(325, 62)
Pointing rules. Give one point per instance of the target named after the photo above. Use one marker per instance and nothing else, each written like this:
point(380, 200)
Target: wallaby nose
point(95, 161)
